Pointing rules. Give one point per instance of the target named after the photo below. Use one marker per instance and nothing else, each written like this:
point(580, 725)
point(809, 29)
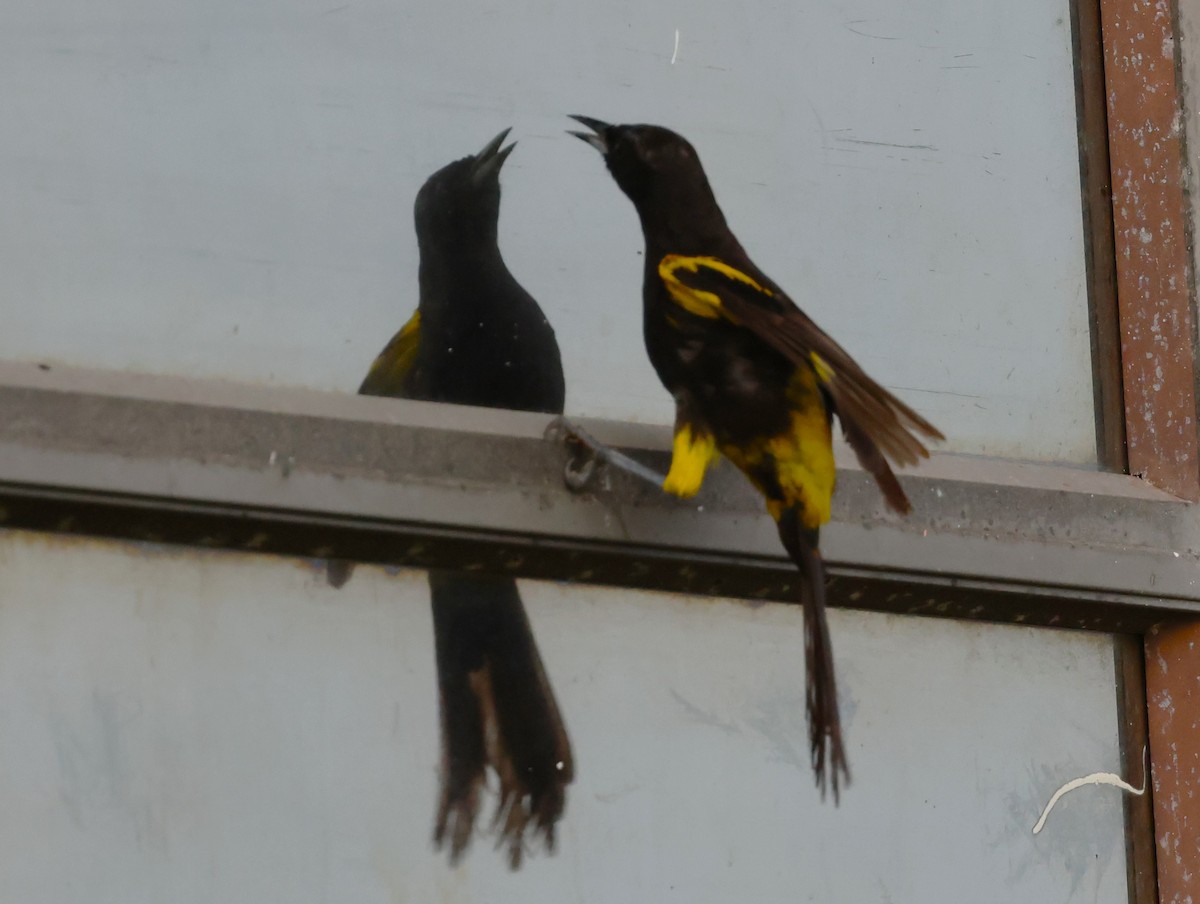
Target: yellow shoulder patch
point(392, 365)
point(701, 302)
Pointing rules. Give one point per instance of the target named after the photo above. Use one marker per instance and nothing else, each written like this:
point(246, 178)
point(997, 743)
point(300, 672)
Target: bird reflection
point(478, 338)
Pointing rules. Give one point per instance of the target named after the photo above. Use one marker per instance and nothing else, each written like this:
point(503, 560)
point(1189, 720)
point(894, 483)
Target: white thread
point(1096, 778)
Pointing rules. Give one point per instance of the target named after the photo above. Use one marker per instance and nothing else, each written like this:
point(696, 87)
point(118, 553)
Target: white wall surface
point(201, 727)
point(223, 189)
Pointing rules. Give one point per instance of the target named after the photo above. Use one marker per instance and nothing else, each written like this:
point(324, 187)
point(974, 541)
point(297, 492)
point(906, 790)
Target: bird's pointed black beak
point(492, 157)
point(597, 138)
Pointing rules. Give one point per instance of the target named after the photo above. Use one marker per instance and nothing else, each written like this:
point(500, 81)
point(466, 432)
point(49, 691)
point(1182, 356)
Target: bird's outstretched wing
point(391, 366)
point(876, 424)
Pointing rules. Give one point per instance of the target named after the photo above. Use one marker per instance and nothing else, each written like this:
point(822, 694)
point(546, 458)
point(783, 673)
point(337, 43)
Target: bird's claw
point(588, 454)
point(579, 471)
point(581, 468)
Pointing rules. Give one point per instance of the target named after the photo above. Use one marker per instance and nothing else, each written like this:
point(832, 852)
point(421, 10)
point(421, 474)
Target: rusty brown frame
point(1147, 301)
point(1150, 230)
point(1173, 696)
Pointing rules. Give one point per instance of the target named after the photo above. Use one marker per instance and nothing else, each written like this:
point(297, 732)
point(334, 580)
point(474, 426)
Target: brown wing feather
point(875, 423)
point(873, 461)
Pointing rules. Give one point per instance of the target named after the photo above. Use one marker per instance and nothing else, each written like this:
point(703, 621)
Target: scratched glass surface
point(200, 726)
point(225, 190)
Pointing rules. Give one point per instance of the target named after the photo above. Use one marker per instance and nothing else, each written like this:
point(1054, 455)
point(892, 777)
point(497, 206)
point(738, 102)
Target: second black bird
point(478, 338)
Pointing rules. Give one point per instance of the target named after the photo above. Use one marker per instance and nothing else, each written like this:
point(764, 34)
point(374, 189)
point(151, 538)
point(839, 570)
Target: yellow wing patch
point(691, 455)
point(389, 370)
point(700, 302)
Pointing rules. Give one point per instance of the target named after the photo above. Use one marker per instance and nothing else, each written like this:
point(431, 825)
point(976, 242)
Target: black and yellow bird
point(478, 338)
point(754, 380)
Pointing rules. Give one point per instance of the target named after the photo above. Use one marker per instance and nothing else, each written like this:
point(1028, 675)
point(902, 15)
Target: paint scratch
point(675, 52)
point(1096, 778)
point(889, 144)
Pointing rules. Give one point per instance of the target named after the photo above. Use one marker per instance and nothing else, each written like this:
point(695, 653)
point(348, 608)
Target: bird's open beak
point(492, 157)
point(596, 138)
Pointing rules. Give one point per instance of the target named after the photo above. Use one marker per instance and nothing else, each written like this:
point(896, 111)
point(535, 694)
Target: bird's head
point(461, 201)
point(658, 169)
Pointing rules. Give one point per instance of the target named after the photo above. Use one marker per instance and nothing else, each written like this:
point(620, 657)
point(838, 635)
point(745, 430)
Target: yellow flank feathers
point(698, 301)
point(690, 458)
point(392, 365)
point(800, 459)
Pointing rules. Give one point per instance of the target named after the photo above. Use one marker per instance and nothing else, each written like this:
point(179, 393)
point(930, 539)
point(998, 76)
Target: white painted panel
point(199, 727)
point(223, 189)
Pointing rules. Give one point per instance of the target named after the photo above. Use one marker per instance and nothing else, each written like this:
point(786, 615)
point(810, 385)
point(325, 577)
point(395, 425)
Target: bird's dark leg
point(589, 454)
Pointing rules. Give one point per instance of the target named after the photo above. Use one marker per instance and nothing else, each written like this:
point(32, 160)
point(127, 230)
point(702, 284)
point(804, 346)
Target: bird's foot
point(588, 455)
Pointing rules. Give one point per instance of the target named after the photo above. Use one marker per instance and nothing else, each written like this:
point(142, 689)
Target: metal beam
point(407, 483)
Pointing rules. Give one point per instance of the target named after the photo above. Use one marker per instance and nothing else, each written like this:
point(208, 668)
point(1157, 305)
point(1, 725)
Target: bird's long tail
point(498, 710)
point(824, 724)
